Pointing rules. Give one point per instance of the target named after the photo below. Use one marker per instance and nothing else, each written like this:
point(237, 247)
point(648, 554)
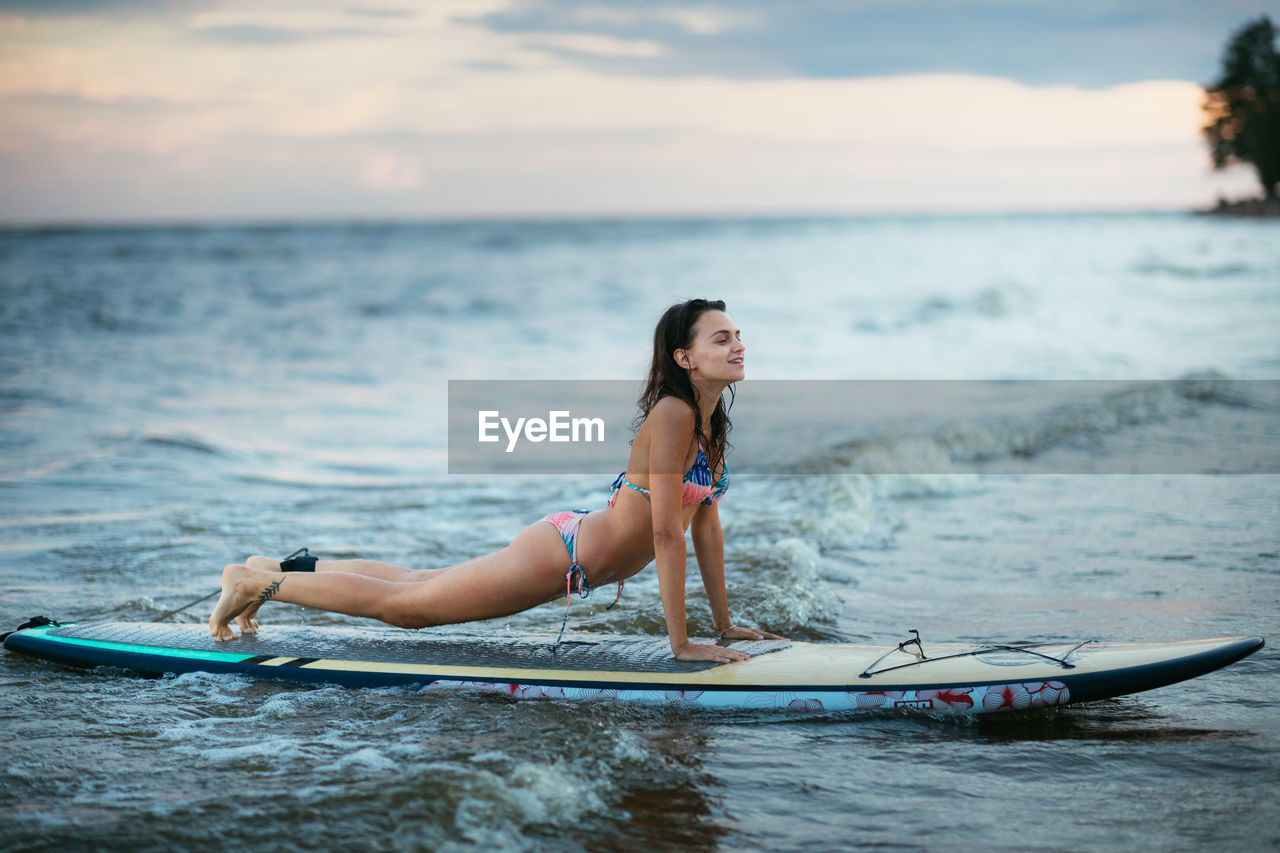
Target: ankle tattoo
point(270, 592)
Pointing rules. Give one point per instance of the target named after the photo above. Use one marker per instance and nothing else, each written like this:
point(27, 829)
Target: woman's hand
point(694, 651)
point(737, 632)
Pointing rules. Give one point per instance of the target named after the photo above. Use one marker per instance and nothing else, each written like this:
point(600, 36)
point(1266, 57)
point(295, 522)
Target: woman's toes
point(228, 607)
point(222, 633)
point(248, 620)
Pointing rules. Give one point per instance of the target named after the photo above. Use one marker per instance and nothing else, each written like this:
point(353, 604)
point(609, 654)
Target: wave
point(991, 303)
point(183, 441)
point(1083, 425)
point(1166, 268)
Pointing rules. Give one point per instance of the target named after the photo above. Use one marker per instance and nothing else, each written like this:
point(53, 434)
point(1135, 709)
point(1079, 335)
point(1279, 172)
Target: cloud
point(563, 142)
point(102, 99)
point(595, 45)
point(705, 20)
point(662, 171)
point(372, 12)
point(1086, 43)
point(82, 8)
point(1090, 43)
point(489, 108)
point(387, 170)
point(263, 36)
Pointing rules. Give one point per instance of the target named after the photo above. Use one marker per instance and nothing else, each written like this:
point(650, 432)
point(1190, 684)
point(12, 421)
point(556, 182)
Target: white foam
point(365, 758)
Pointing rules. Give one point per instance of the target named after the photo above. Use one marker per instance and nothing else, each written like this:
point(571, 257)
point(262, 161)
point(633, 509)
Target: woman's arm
point(670, 438)
point(708, 547)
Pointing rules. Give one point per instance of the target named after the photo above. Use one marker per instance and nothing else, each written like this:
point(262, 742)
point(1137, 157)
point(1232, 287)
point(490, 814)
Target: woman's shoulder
point(672, 413)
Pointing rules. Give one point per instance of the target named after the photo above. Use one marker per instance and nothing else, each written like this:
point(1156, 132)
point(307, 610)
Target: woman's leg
point(248, 618)
point(527, 572)
point(368, 568)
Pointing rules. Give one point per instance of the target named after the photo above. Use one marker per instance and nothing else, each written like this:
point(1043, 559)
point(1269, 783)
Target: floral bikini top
point(699, 485)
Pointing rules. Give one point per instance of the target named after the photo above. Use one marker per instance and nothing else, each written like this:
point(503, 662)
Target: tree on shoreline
point(1243, 106)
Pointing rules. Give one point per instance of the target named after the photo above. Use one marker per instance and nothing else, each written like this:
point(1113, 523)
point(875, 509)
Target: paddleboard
point(915, 676)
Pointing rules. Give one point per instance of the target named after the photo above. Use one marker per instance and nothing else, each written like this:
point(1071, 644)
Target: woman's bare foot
point(241, 590)
point(248, 619)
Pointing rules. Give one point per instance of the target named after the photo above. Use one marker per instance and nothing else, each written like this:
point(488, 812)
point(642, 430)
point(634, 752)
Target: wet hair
point(675, 330)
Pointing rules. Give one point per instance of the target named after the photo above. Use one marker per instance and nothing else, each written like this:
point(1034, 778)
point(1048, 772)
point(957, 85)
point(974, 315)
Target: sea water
point(176, 398)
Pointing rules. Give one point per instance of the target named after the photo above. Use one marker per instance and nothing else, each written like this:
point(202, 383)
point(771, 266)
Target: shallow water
point(174, 399)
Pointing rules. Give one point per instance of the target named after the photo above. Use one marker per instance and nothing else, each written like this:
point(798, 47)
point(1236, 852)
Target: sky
point(249, 110)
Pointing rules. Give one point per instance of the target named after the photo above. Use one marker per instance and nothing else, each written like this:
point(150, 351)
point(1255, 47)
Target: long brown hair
point(668, 379)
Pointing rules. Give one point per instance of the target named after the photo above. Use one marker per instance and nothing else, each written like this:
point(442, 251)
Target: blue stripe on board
point(39, 633)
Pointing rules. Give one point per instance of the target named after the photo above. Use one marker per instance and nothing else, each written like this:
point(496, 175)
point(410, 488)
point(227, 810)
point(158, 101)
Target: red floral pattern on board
point(1019, 697)
point(805, 705)
point(876, 698)
point(961, 700)
point(683, 695)
point(1006, 697)
point(1047, 694)
point(538, 691)
point(955, 698)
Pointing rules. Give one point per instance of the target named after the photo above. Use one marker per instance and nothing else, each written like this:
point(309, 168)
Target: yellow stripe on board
point(771, 669)
point(278, 661)
point(813, 665)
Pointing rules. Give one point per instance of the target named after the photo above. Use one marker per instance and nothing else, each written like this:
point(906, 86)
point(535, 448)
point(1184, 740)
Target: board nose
point(1247, 646)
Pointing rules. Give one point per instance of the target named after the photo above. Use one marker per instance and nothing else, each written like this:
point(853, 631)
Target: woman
point(669, 485)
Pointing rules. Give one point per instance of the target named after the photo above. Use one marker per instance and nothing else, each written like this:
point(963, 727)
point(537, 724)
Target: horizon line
point(330, 220)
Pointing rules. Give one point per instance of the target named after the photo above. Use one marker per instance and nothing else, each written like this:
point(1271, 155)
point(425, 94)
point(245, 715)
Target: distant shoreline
point(1253, 208)
point(1248, 208)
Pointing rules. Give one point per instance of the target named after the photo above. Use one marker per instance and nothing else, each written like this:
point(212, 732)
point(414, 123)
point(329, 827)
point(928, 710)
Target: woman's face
point(717, 351)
